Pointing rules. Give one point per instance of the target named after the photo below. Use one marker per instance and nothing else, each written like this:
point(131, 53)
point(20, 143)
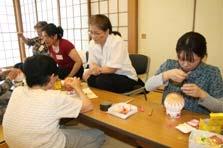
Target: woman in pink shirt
point(63, 52)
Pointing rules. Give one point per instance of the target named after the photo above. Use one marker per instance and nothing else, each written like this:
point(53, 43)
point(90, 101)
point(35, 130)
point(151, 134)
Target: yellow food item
point(57, 85)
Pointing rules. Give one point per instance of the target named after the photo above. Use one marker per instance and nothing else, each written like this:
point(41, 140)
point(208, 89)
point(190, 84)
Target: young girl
point(34, 111)
point(189, 75)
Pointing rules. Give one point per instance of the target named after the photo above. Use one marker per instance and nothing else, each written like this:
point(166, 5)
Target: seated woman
point(189, 75)
point(34, 111)
point(63, 52)
point(109, 65)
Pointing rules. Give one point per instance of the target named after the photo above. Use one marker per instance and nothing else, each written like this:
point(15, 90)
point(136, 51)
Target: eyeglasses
point(95, 33)
point(185, 62)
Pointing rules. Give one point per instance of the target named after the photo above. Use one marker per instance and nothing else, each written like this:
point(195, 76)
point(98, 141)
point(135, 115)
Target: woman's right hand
point(176, 75)
point(86, 75)
point(95, 69)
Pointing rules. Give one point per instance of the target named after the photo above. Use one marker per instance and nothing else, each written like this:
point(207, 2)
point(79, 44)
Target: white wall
point(164, 21)
point(209, 21)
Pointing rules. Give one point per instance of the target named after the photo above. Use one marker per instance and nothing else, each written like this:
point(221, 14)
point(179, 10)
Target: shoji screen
point(9, 49)
point(74, 21)
point(117, 11)
point(37, 10)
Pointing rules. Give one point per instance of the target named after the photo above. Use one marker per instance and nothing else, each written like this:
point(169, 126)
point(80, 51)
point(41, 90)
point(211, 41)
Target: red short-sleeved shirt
point(62, 57)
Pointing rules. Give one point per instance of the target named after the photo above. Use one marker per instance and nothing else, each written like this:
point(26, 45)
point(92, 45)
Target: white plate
point(122, 110)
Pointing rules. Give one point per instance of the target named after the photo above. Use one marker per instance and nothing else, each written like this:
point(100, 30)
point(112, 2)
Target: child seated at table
point(34, 111)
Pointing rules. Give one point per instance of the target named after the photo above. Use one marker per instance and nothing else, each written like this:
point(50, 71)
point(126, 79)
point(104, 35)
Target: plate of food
point(122, 110)
point(205, 139)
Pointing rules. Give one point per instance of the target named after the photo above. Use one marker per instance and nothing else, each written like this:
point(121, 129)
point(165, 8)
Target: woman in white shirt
point(110, 67)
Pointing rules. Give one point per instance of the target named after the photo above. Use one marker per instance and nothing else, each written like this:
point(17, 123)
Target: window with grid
point(47, 11)
point(37, 10)
point(29, 20)
point(74, 21)
point(117, 11)
point(9, 49)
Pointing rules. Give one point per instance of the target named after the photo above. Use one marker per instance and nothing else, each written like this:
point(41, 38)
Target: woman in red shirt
point(63, 52)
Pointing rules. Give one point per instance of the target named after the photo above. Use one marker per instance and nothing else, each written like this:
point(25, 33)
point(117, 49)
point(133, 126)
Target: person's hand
point(51, 84)
point(76, 83)
point(13, 74)
point(68, 83)
point(177, 75)
point(194, 91)
point(4, 72)
point(72, 83)
point(95, 69)
point(86, 74)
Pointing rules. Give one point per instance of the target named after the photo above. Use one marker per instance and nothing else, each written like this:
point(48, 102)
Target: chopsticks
point(130, 100)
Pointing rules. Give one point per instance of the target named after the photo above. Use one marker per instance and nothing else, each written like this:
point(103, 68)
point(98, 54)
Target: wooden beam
point(58, 13)
point(19, 28)
point(133, 26)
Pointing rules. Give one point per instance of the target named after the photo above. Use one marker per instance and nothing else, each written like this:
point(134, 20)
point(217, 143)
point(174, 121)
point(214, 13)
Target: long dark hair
point(51, 30)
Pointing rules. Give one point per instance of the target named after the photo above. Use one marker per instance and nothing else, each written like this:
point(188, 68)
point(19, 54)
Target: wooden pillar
point(133, 26)
point(19, 28)
point(58, 12)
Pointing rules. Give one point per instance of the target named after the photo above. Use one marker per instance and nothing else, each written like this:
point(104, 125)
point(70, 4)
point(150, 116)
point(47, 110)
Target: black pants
point(113, 82)
point(63, 73)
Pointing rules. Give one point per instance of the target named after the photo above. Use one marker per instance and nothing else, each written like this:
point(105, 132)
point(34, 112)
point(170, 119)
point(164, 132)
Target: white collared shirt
point(114, 54)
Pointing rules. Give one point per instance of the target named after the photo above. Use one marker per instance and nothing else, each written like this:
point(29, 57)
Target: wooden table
point(157, 129)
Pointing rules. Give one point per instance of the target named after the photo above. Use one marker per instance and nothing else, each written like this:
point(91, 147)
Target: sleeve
point(216, 84)
point(157, 80)
point(92, 57)
point(67, 46)
point(2, 77)
point(118, 53)
point(5, 86)
point(212, 104)
point(154, 82)
point(32, 41)
point(67, 106)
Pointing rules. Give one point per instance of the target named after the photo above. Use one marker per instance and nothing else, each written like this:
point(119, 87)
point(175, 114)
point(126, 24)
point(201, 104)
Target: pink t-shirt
point(62, 56)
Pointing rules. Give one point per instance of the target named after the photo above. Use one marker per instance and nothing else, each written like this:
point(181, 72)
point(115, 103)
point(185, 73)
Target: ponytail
point(59, 32)
point(52, 30)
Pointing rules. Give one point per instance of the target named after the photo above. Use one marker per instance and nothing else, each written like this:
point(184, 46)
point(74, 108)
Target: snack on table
point(214, 124)
point(122, 110)
point(205, 139)
point(57, 85)
point(174, 103)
